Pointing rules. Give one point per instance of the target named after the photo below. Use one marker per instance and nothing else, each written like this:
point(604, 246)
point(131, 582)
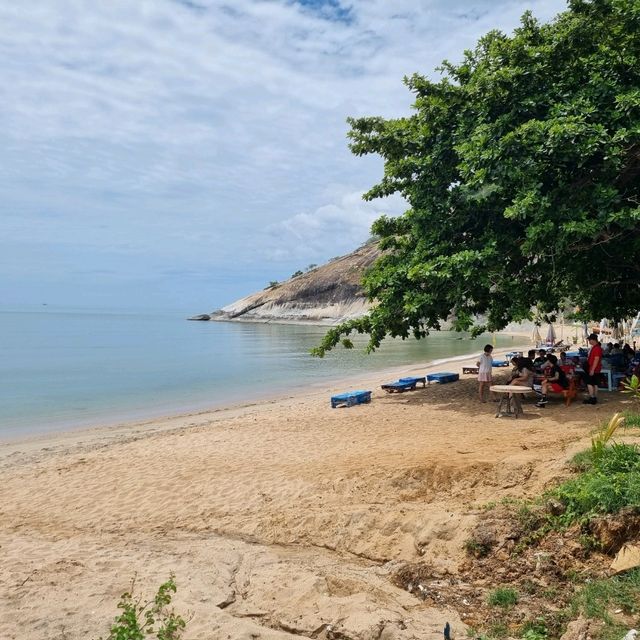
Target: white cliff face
point(329, 295)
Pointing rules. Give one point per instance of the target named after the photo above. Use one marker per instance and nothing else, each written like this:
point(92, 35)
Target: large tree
point(521, 167)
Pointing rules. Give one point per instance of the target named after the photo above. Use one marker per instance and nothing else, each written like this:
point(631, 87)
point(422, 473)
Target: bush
point(610, 478)
point(610, 483)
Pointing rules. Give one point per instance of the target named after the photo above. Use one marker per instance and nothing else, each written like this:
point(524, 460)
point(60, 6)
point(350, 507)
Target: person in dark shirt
point(555, 380)
point(540, 360)
point(628, 352)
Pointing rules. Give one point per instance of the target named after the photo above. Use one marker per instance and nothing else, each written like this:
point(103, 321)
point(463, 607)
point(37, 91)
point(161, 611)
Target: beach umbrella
point(536, 337)
point(604, 324)
point(616, 333)
point(551, 335)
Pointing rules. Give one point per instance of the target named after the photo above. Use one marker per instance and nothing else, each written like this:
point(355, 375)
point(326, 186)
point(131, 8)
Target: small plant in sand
point(600, 441)
point(140, 620)
point(476, 548)
point(632, 387)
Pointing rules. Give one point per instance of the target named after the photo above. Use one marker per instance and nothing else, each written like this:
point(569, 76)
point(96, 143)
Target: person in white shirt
point(485, 367)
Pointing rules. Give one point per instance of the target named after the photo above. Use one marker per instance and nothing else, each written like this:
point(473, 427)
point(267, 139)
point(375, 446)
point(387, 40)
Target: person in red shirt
point(592, 370)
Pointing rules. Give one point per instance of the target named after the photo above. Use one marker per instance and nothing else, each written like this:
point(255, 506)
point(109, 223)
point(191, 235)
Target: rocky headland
point(328, 294)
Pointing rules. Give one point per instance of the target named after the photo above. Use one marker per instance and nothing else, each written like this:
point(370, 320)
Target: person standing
point(485, 368)
point(592, 370)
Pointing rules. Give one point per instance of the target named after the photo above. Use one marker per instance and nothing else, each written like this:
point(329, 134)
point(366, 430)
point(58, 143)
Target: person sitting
point(616, 349)
point(555, 380)
point(540, 360)
point(563, 358)
point(633, 368)
point(531, 354)
point(524, 377)
point(628, 352)
point(514, 369)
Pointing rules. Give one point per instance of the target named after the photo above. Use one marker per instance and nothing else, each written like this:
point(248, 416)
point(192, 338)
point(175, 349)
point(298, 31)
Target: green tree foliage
point(521, 167)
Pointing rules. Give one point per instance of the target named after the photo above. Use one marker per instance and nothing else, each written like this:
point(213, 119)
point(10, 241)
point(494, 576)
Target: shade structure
point(551, 335)
point(536, 337)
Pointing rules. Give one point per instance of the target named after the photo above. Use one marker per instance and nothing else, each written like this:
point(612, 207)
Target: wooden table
point(510, 404)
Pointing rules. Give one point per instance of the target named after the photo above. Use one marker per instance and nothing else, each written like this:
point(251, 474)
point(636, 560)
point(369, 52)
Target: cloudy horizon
point(184, 153)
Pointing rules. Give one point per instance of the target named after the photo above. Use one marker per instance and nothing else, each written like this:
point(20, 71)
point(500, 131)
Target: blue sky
point(183, 153)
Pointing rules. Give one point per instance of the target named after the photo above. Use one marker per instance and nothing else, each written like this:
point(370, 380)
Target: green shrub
point(597, 493)
point(503, 597)
point(140, 620)
point(611, 482)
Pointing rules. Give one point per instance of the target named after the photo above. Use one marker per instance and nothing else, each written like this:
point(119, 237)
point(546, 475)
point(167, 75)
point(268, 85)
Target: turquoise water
point(63, 369)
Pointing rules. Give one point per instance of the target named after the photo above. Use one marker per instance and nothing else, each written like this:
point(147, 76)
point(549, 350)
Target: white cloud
point(342, 225)
point(187, 130)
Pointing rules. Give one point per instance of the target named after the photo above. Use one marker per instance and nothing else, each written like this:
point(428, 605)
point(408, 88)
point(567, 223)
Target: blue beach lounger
point(443, 378)
point(415, 380)
point(350, 398)
point(399, 387)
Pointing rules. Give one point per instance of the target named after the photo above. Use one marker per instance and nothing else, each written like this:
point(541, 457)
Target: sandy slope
point(277, 519)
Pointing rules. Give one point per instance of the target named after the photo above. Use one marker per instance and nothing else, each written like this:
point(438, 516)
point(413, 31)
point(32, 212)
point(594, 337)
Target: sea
point(69, 368)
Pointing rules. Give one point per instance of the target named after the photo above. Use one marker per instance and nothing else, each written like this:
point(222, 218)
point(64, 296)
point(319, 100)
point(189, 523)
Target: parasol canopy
point(616, 333)
point(551, 335)
point(536, 337)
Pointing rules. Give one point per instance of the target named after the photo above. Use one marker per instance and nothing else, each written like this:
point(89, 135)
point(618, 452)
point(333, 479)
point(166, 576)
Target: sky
point(181, 154)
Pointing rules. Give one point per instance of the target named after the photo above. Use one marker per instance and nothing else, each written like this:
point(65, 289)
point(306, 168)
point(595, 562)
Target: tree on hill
point(521, 167)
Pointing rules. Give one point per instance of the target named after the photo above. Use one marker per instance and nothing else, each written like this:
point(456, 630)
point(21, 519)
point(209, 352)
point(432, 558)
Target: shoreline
point(131, 424)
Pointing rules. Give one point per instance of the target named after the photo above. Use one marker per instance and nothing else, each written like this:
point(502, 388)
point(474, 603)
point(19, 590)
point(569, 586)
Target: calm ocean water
point(63, 369)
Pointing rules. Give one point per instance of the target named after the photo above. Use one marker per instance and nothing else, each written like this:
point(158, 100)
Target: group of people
point(553, 371)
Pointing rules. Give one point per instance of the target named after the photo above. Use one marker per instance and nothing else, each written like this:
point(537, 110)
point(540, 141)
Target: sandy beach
point(279, 519)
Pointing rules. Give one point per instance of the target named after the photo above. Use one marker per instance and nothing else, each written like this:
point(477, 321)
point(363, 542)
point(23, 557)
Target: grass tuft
point(504, 597)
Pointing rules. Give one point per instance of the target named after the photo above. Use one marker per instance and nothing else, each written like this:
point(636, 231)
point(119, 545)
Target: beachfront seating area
point(611, 378)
